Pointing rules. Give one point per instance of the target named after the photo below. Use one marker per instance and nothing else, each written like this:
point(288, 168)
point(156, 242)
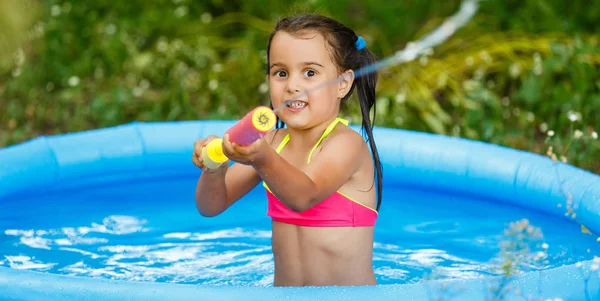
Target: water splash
point(413, 49)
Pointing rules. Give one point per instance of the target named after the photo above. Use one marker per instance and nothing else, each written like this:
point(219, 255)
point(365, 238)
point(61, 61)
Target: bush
point(513, 74)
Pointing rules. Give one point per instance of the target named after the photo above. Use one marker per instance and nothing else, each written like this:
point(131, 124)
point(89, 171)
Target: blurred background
point(521, 73)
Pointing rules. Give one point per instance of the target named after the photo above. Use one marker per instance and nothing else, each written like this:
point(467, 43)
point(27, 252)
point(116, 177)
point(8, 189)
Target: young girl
point(318, 173)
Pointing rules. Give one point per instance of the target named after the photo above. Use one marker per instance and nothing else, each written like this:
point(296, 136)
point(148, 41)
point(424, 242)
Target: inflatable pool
point(109, 214)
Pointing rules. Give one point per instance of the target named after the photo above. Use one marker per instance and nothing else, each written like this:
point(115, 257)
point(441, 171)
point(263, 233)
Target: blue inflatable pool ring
point(453, 166)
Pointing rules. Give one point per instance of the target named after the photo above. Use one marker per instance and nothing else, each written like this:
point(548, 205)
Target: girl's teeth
point(298, 104)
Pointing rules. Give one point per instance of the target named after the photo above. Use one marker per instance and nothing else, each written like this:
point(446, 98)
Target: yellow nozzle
point(263, 119)
point(213, 151)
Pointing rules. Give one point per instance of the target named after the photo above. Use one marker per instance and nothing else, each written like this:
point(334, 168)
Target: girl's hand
point(252, 154)
point(197, 153)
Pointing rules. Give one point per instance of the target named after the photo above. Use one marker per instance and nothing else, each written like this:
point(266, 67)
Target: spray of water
point(412, 51)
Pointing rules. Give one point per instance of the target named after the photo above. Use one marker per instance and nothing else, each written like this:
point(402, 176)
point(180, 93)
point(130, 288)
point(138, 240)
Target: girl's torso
point(311, 256)
point(332, 244)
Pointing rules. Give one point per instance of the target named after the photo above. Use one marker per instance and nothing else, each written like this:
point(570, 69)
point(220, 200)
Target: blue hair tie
point(360, 43)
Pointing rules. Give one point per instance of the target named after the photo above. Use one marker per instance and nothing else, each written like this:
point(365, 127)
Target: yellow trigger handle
point(212, 154)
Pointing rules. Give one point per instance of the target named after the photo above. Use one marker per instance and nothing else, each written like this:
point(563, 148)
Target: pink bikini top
point(338, 210)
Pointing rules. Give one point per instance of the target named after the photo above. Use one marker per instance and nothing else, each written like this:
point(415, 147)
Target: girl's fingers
point(255, 147)
point(197, 160)
point(227, 146)
point(209, 139)
point(198, 148)
point(239, 149)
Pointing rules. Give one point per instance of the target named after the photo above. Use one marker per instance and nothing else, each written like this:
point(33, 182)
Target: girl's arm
point(301, 189)
point(218, 189)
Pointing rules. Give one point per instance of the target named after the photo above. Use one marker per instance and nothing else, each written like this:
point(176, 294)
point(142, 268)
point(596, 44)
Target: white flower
point(530, 116)
point(578, 134)
point(400, 98)
point(515, 70)
point(594, 135)
point(162, 45)
point(456, 130)
point(545, 246)
point(181, 11)
point(144, 84)
point(55, 10)
point(213, 84)
point(550, 133)
point(574, 116)
point(110, 29)
point(578, 265)
point(73, 81)
point(594, 267)
point(20, 57)
point(16, 72)
point(206, 18)
point(442, 80)
point(469, 85)
point(263, 88)
point(469, 61)
point(485, 56)
point(217, 67)
point(137, 91)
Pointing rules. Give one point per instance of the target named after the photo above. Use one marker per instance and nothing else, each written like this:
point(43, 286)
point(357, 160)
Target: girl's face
point(297, 63)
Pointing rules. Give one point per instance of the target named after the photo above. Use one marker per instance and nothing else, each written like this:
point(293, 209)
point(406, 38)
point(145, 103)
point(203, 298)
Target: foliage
point(513, 74)
point(16, 19)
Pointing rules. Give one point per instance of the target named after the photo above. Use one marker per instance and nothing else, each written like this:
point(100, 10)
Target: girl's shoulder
point(347, 137)
point(342, 138)
point(275, 136)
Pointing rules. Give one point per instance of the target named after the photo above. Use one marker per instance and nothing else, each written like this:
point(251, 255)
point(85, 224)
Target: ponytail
point(365, 86)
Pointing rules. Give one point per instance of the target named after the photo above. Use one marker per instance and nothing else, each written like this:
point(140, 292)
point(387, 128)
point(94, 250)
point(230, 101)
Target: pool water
point(149, 230)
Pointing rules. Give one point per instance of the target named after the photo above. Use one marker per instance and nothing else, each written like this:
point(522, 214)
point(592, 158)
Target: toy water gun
point(249, 129)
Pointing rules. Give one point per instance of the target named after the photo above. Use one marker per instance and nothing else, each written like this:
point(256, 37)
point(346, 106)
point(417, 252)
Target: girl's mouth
point(297, 104)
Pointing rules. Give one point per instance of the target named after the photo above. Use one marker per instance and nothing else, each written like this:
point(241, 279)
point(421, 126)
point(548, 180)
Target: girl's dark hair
point(346, 56)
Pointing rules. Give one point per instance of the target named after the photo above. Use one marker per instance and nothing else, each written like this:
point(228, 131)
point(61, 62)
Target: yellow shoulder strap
point(283, 142)
point(326, 132)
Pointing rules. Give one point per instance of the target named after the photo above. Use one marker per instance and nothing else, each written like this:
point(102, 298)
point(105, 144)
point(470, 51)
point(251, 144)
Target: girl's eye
point(280, 73)
point(309, 73)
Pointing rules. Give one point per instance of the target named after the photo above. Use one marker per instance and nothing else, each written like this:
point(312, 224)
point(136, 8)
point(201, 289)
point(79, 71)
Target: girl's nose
point(293, 89)
point(293, 85)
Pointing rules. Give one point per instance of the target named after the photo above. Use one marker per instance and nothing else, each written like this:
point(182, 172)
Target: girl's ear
point(346, 83)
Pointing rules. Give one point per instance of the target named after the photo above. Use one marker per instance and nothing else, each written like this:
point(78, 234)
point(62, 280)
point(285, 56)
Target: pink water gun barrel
point(252, 127)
